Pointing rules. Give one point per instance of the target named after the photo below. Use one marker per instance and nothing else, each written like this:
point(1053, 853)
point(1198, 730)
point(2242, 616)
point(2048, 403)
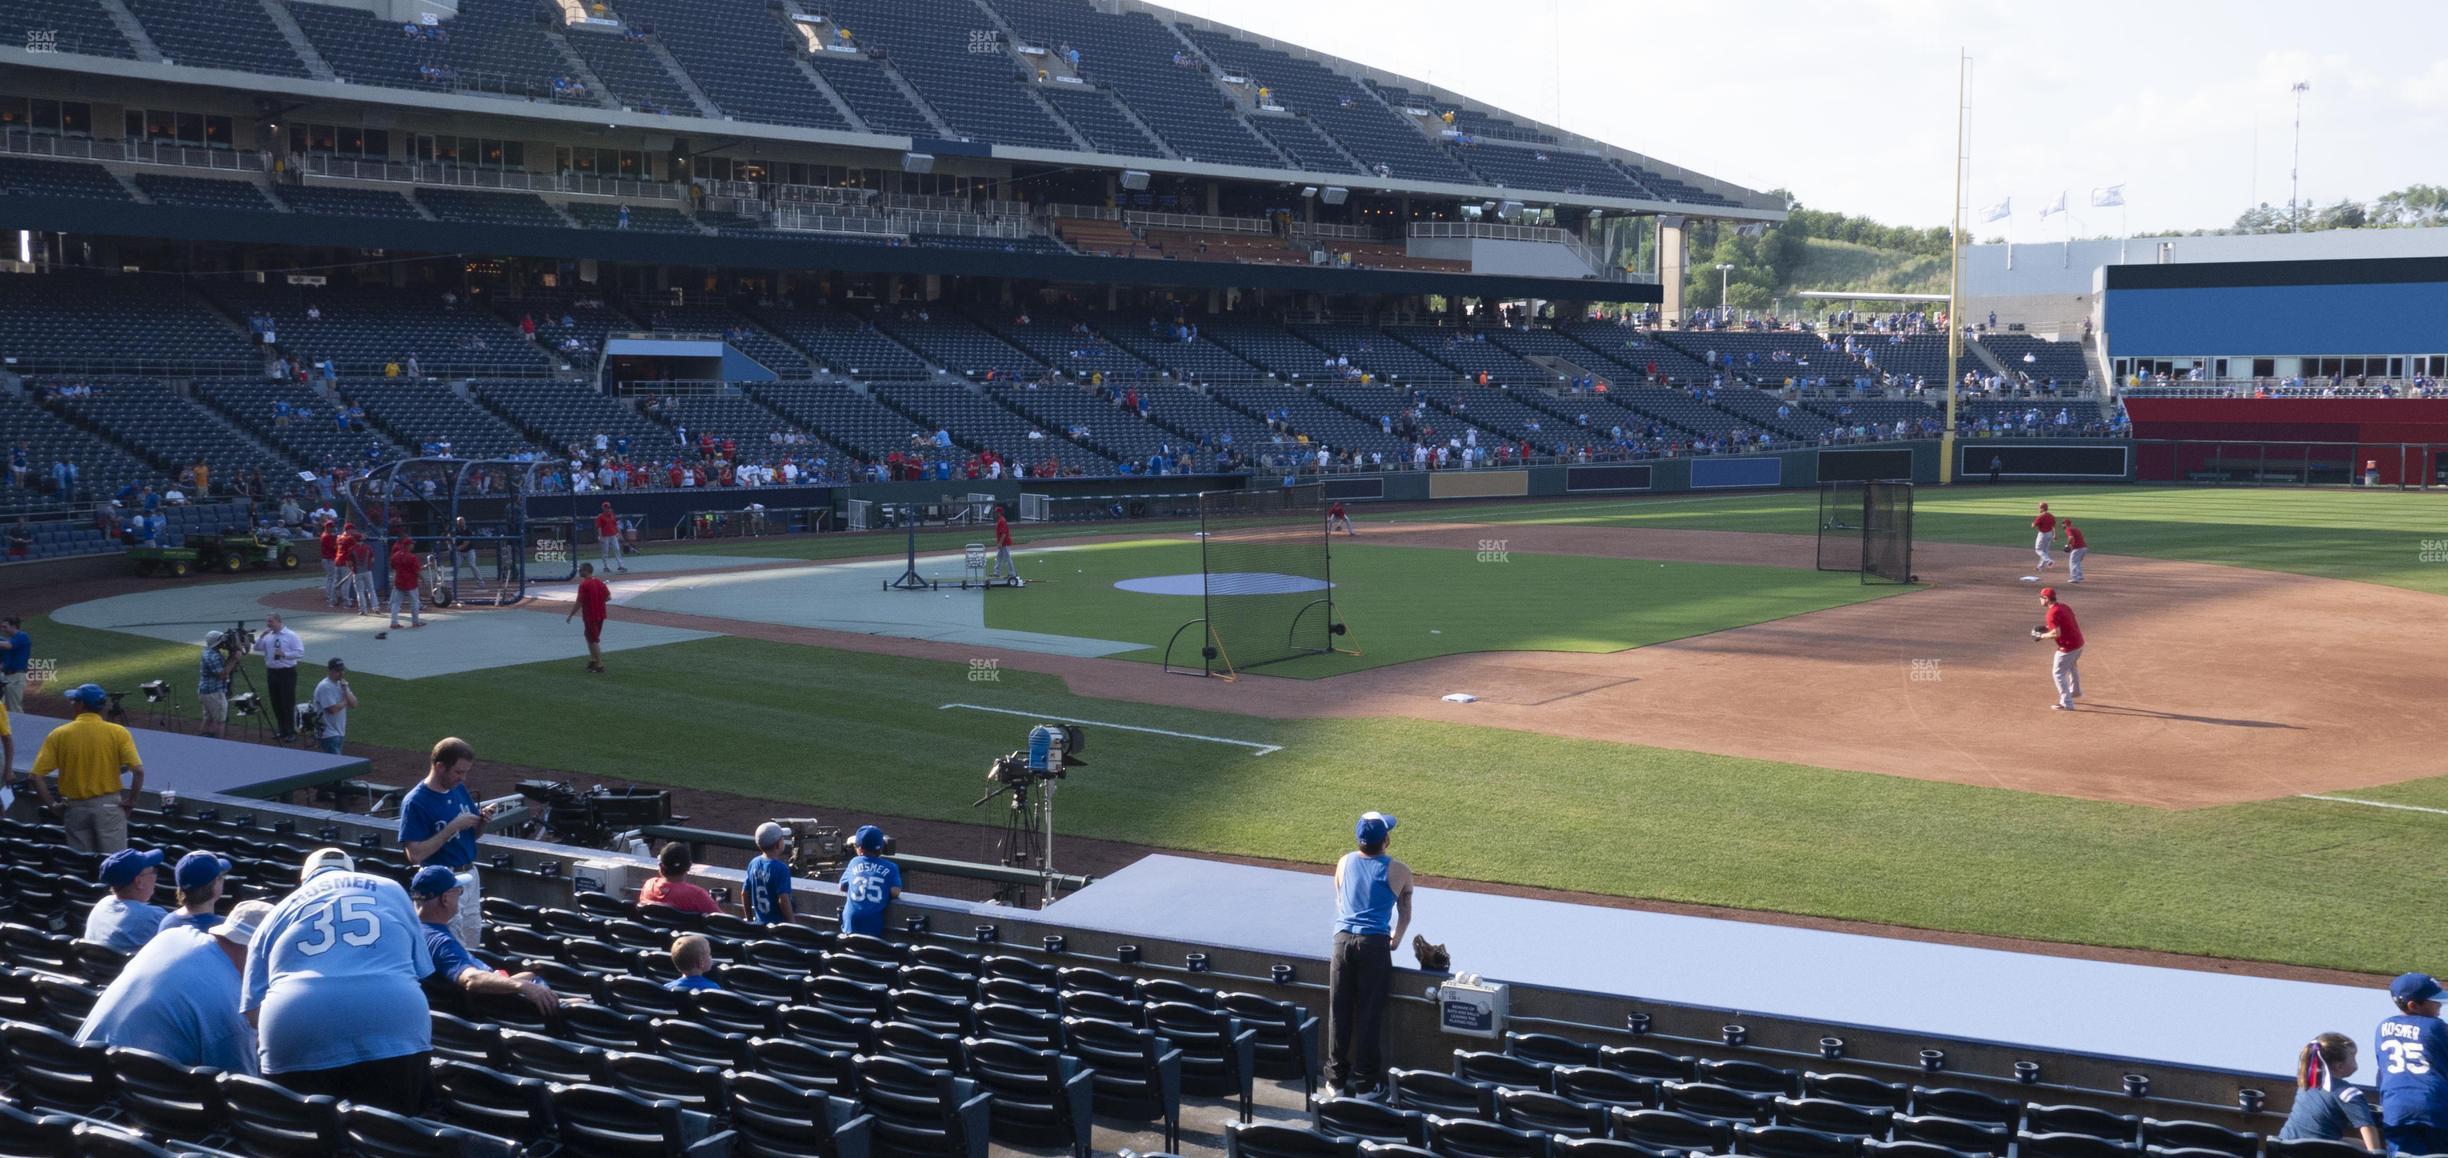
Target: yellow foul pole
point(1946, 438)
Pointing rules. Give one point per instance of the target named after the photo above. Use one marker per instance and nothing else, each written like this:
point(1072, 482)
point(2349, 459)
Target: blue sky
point(1852, 107)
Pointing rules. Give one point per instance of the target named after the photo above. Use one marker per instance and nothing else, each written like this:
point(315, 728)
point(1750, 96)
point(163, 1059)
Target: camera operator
point(212, 682)
point(281, 649)
point(332, 700)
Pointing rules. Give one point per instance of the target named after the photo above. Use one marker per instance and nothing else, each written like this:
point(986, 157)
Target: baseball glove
point(1432, 958)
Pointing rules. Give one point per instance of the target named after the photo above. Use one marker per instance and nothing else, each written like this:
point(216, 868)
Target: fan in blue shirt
point(124, 920)
point(692, 955)
point(437, 892)
point(178, 997)
point(765, 894)
point(2326, 1107)
point(332, 974)
point(2411, 1047)
point(869, 884)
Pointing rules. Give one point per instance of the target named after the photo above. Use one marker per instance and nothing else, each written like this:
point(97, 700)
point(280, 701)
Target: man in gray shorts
point(212, 682)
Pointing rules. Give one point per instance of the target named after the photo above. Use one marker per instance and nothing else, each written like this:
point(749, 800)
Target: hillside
point(1843, 265)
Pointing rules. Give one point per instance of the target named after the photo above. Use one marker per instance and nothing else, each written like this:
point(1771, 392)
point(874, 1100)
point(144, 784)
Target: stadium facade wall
point(768, 251)
point(2278, 310)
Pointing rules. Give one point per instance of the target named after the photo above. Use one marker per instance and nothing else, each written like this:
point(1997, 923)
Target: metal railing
point(1199, 223)
point(1543, 234)
point(28, 143)
point(803, 221)
point(478, 177)
point(1334, 232)
point(954, 205)
point(2290, 388)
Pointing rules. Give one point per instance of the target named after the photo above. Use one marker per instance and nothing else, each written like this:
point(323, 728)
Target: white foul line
point(2376, 804)
point(1260, 749)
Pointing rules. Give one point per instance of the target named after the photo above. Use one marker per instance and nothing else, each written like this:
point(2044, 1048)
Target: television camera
point(597, 818)
point(820, 850)
point(1027, 778)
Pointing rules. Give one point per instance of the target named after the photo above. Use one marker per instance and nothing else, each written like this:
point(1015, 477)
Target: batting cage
point(1866, 527)
point(1267, 579)
point(484, 529)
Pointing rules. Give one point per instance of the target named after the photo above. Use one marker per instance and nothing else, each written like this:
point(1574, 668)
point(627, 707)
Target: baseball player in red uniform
point(330, 543)
point(2044, 525)
point(361, 568)
point(1003, 560)
point(406, 572)
point(2058, 624)
point(2075, 549)
point(1337, 516)
point(593, 603)
point(608, 536)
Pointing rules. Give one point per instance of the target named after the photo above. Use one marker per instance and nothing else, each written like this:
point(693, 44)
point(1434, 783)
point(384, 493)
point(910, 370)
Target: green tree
point(2415, 206)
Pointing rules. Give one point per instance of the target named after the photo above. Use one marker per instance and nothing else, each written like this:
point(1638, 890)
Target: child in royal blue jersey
point(2410, 1049)
point(869, 884)
point(765, 895)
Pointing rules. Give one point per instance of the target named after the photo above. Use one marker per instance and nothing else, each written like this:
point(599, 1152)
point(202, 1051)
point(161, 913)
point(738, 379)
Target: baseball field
point(1670, 706)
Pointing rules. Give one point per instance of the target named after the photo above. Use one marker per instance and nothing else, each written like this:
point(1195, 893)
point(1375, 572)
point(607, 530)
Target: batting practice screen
point(1867, 527)
point(1886, 545)
point(1269, 590)
point(1840, 524)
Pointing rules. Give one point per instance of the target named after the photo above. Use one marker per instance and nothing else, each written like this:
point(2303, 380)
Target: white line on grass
point(2376, 803)
point(1260, 749)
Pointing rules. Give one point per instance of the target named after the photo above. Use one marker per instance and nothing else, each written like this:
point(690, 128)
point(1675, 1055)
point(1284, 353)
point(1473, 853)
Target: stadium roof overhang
point(595, 121)
point(813, 252)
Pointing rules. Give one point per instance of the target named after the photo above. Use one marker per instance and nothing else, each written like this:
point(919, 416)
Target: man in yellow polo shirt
point(88, 752)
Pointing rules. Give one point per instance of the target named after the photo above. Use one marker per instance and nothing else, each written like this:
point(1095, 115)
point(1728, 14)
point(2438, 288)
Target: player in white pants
point(2044, 525)
point(2057, 625)
point(2076, 548)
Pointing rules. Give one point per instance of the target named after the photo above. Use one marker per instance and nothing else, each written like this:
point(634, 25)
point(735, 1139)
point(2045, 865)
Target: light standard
point(1725, 279)
point(2295, 168)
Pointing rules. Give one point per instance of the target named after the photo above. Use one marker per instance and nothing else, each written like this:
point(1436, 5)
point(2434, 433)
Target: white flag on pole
point(2108, 196)
point(2003, 209)
point(2056, 206)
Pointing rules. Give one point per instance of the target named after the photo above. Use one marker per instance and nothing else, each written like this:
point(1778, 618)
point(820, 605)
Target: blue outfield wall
point(2283, 321)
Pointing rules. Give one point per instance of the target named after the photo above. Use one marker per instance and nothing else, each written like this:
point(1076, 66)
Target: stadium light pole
point(2295, 167)
point(1725, 284)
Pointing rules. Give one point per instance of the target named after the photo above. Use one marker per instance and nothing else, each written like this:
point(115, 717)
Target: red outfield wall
point(2406, 437)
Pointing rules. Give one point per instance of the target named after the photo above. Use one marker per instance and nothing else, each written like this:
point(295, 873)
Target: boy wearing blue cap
point(198, 877)
point(126, 919)
point(1372, 912)
point(870, 883)
point(89, 753)
point(2412, 1046)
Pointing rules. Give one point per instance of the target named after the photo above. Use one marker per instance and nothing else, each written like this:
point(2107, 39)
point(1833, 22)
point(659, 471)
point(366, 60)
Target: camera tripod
point(1027, 842)
point(237, 675)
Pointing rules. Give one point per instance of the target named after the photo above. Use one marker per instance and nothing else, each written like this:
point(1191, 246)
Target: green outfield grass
point(2373, 536)
point(2262, 881)
point(1407, 603)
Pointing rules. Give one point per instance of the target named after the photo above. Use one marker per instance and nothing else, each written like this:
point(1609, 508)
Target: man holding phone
point(438, 824)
